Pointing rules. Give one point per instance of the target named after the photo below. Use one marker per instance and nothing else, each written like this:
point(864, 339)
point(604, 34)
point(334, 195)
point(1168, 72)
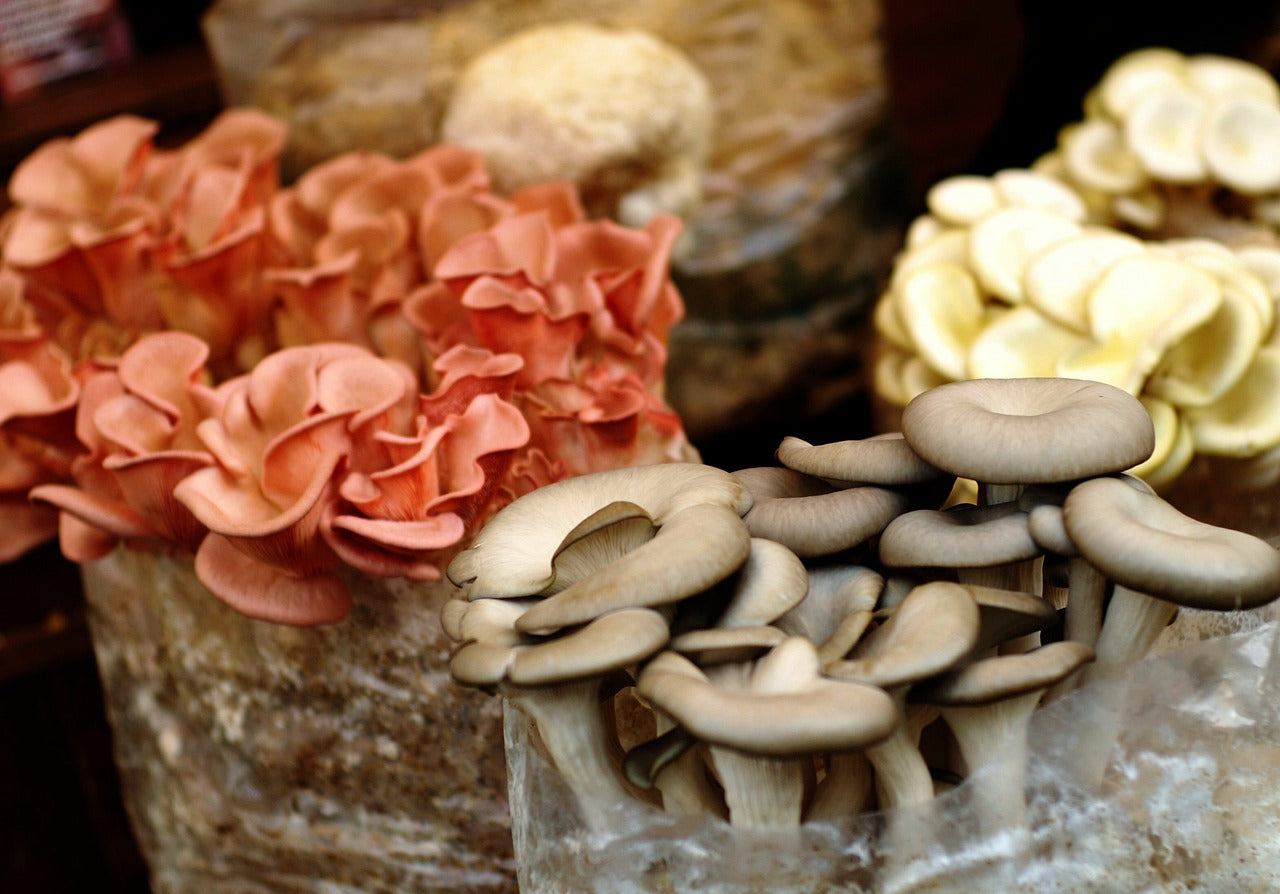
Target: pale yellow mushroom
point(1225, 76)
point(888, 323)
point(1027, 189)
point(1144, 210)
point(1246, 420)
point(1174, 448)
point(924, 228)
point(1019, 344)
point(918, 378)
point(888, 377)
point(1134, 75)
point(1163, 131)
point(1150, 303)
point(1205, 364)
point(950, 247)
point(1241, 144)
point(1058, 280)
point(941, 308)
point(1231, 271)
point(963, 200)
point(1095, 156)
point(1001, 245)
point(1113, 361)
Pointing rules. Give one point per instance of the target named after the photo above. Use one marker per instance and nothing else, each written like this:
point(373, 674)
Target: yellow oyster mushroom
point(1135, 74)
point(1228, 268)
point(1027, 189)
point(941, 308)
point(1001, 245)
point(1095, 156)
point(1225, 76)
point(1020, 344)
point(1246, 420)
point(917, 378)
point(1144, 210)
point(1174, 447)
point(963, 200)
point(1241, 144)
point(949, 247)
point(887, 376)
point(1058, 280)
point(889, 325)
point(924, 228)
point(1163, 131)
point(1114, 360)
point(1202, 367)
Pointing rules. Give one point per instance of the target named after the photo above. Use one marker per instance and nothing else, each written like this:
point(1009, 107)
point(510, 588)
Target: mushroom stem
point(569, 722)
point(845, 790)
point(1133, 623)
point(762, 792)
point(682, 779)
point(902, 776)
point(1086, 591)
point(993, 743)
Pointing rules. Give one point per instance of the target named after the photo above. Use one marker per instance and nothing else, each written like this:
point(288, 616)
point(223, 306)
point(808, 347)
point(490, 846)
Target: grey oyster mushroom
point(556, 682)
point(985, 544)
point(770, 583)
point(837, 609)
point(934, 628)
point(698, 540)
point(1158, 559)
point(1015, 432)
point(885, 459)
point(988, 706)
point(812, 517)
point(761, 719)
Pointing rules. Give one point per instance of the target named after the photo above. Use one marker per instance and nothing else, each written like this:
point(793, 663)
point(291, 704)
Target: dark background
point(977, 86)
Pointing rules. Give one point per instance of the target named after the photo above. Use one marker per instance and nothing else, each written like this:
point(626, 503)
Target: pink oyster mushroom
point(38, 394)
point(359, 233)
point(115, 238)
point(327, 457)
point(588, 305)
point(137, 421)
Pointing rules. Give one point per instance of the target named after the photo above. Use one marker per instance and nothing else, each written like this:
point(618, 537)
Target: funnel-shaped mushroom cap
point(810, 517)
point(1141, 542)
point(512, 554)
point(1020, 431)
point(696, 548)
point(1241, 144)
point(883, 459)
point(1005, 676)
point(965, 536)
point(935, 627)
point(786, 708)
point(837, 609)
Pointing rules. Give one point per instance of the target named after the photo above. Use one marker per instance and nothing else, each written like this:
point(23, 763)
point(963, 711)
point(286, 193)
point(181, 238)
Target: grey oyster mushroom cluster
point(836, 634)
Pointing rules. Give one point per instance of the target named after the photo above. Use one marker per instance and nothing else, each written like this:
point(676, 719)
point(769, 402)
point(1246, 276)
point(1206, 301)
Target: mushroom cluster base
point(266, 758)
point(1186, 799)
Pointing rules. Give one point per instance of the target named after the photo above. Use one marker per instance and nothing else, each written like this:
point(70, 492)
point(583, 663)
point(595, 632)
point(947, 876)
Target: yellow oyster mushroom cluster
point(1005, 277)
point(1177, 144)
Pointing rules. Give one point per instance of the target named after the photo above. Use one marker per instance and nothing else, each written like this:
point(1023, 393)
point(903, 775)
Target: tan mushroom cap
point(881, 459)
point(787, 708)
point(964, 536)
point(1020, 431)
point(602, 537)
point(767, 586)
point(837, 610)
point(1008, 614)
point(1005, 676)
point(932, 629)
point(696, 548)
point(512, 555)
point(717, 645)
point(1141, 542)
point(811, 518)
point(608, 643)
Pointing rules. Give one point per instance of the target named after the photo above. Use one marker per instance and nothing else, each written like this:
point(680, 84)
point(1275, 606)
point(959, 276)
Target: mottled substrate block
point(260, 758)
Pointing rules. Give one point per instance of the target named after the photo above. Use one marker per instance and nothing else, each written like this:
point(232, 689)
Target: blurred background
point(970, 87)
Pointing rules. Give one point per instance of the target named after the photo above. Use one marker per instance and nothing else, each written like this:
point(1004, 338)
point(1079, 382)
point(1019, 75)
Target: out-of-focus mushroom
point(621, 113)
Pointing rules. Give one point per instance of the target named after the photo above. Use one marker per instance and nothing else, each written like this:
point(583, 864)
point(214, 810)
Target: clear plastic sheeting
point(1163, 779)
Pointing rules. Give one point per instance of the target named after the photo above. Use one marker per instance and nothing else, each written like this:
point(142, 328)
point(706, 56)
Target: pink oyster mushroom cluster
point(351, 372)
